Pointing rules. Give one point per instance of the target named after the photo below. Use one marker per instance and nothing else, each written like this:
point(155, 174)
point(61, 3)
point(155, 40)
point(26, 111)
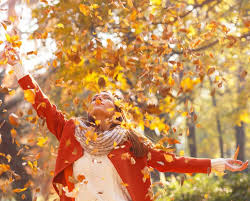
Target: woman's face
point(101, 106)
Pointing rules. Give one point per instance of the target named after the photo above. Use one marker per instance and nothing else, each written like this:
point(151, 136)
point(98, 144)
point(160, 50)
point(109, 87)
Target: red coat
point(132, 174)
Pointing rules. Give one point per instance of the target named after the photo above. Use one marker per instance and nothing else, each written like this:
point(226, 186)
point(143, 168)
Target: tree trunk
point(191, 136)
point(240, 129)
point(7, 147)
point(240, 140)
point(218, 123)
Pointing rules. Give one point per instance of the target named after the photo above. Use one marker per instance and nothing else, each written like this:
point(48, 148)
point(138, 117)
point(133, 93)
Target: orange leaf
point(4, 26)
point(84, 9)
point(18, 190)
point(44, 1)
point(54, 63)
point(4, 168)
point(13, 133)
point(32, 52)
point(236, 153)
point(80, 177)
point(210, 71)
point(13, 118)
point(173, 141)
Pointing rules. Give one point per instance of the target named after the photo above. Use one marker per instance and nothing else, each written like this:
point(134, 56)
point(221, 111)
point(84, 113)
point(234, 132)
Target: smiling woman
point(100, 159)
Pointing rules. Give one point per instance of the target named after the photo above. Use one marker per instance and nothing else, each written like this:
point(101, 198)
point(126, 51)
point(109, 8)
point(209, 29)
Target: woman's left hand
point(229, 165)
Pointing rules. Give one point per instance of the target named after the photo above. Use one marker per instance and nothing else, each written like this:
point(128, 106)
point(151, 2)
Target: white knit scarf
point(105, 141)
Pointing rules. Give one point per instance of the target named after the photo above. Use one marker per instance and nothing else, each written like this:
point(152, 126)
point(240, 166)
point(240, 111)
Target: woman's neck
point(104, 125)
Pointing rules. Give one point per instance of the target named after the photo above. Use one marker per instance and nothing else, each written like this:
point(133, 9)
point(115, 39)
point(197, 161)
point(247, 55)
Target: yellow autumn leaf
point(29, 96)
point(12, 92)
point(155, 2)
point(245, 117)
point(60, 25)
point(187, 84)
point(170, 81)
point(30, 164)
point(18, 190)
point(94, 6)
point(4, 168)
point(41, 141)
point(8, 38)
point(11, 72)
point(168, 158)
point(181, 153)
point(130, 3)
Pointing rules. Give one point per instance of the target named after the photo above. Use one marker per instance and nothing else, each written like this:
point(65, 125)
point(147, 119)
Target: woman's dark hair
point(140, 143)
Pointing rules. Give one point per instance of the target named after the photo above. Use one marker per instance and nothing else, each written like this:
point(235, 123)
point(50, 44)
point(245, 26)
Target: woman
point(101, 160)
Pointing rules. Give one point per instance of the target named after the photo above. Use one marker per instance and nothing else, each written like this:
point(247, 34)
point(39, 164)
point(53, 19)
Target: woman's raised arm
point(45, 109)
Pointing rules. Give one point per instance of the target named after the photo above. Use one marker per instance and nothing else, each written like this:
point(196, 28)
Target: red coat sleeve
point(168, 162)
point(54, 118)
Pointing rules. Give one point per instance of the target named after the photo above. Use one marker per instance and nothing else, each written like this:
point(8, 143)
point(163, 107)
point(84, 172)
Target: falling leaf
point(4, 168)
point(12, 92)
point(173, 141)
point(81, 177)
point(8, 38)
point(44, 1)
point(4, 26)
point(101, 82)
point(54, 63)
point(84, 9)
point(243, 74)
point(74, 152)
point(130, 3)
point(168, 158)
point(198, 125)
point(60, 25)
point(29, 96)
point(18, 190)
point(181, 153)
point(41, 141)
point(68, 142)
point(13, 133)
point(11, 72)
point(124, 184)
point(236, 153)
point(13, 119)
point(32, 52)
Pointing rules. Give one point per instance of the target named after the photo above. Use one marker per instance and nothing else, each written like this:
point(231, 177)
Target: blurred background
point(182, 67)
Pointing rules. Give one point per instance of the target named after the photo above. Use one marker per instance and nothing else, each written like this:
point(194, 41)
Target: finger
point(235, 168)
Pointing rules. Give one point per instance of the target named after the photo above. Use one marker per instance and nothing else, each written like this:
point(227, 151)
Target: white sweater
point(102, 182)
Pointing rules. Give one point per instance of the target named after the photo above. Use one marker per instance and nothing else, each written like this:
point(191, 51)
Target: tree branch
point(206, 46)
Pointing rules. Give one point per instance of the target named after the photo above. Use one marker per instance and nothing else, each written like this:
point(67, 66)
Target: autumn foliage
point(182, 67)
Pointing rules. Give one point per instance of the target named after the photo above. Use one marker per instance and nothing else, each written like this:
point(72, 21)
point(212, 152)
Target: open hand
point(229, 165)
